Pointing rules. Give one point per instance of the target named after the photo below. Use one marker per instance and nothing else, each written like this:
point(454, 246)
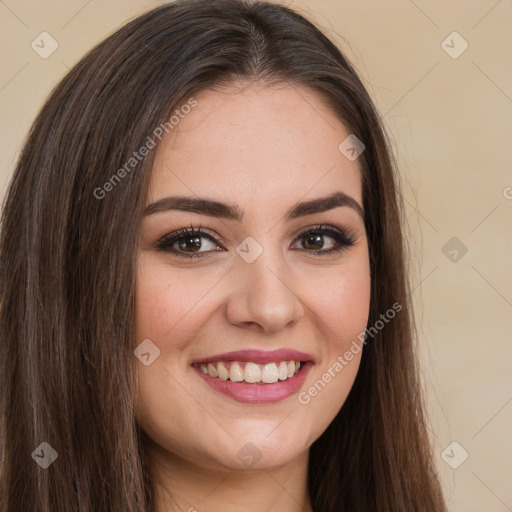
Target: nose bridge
point(264, 291)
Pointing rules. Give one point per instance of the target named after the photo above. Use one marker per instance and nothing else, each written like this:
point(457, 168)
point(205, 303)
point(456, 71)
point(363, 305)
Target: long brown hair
point(68, 253)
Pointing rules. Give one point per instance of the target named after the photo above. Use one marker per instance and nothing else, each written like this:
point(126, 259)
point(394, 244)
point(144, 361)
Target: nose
point(263, 294)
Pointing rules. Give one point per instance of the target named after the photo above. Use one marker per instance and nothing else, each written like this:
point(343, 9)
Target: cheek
point(345, 315)
point(341, 308)
point(341, 302)
point(166, 302)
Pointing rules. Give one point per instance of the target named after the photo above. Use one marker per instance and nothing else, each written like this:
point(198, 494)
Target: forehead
point(257, 145)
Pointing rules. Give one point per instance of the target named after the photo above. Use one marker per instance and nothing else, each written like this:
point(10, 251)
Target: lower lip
point(258, 393)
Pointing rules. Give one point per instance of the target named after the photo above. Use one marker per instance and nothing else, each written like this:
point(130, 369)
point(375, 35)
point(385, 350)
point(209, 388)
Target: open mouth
point(255, 376)
point(251, 372)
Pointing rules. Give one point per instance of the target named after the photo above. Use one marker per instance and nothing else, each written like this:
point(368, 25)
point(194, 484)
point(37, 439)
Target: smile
point(241, 371)
point(254, 376)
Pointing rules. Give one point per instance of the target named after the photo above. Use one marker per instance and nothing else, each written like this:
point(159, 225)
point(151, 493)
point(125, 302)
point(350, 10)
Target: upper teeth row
point(251, 372)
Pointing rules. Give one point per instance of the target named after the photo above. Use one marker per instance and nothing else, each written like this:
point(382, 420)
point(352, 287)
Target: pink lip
point(258, 393)
point(258, 356)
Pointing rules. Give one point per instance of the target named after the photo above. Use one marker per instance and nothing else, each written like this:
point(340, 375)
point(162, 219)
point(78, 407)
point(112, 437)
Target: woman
point(204, 297)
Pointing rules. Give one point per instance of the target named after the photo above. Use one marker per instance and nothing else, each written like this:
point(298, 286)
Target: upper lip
point(258, 356)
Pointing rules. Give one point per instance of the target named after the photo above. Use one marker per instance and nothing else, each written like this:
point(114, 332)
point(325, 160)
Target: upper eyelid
point(205, 232)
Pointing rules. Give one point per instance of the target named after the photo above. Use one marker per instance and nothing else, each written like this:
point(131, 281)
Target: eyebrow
point(213, 208)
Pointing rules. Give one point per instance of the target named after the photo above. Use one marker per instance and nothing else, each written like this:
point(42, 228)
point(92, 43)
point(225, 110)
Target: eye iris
point(314, 241)
point(190, 242)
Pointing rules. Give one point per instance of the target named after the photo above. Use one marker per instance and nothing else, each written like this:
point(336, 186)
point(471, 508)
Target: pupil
point(194, 242)
point(314, 239)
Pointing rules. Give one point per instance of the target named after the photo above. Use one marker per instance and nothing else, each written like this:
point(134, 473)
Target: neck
point(180, 485)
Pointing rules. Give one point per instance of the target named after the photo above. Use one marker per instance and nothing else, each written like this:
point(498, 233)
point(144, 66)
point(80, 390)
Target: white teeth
point(212, 371)
point(251, 372)
point(283, 370)
point(269, 373)
point(236, 373)
point(223, 373)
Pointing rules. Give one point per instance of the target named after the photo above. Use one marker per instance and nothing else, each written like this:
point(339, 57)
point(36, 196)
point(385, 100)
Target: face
point(269, 280)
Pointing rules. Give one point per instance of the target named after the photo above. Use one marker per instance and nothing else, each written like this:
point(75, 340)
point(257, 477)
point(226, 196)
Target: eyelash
point(344, 240)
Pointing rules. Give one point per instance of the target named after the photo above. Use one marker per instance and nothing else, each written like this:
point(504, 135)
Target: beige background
point(451, 123)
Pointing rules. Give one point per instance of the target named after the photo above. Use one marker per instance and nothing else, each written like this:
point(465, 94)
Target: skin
point(264, 148)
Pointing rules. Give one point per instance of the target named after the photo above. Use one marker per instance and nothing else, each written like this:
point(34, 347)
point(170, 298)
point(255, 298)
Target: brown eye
point(195, 243)
point(314, 240)
point(187, 242)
